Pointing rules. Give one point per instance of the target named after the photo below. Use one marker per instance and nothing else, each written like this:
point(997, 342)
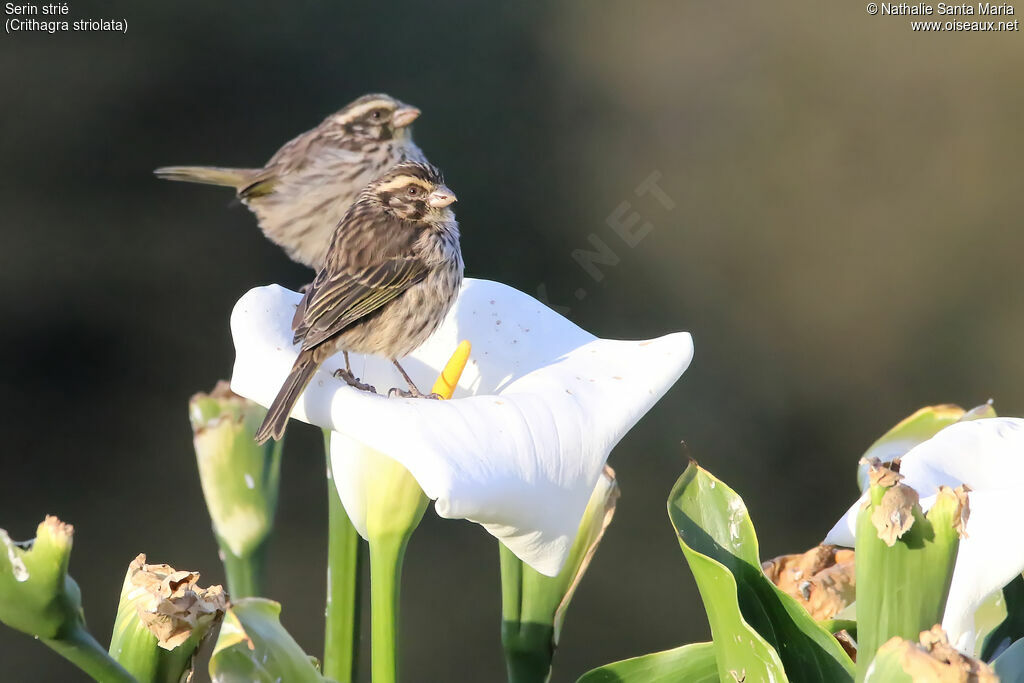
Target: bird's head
point(414, 191)
point(374, 118)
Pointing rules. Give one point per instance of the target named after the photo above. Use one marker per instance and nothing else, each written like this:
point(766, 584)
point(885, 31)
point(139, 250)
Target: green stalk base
point(345, 553)
point(386, 558)
point(82, 650)
point(246, 576)
point(528, 647)
point(528, 652)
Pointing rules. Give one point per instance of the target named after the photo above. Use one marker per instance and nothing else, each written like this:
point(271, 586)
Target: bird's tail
point(277, 416)
point(209, 175)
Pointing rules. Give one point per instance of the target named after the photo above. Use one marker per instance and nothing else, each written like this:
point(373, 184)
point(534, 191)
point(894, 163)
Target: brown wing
point(334, 303)
point(291, 156)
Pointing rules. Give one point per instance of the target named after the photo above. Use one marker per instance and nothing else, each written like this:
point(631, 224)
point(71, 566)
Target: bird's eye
point(413, 191)
point(376, 114)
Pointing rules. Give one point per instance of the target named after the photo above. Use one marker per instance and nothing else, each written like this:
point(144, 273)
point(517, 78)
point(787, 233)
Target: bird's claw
point(352, 381)
point(402, 393)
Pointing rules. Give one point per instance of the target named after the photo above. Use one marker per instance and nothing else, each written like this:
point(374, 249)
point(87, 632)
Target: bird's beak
point(403, 116)
point(441, 197)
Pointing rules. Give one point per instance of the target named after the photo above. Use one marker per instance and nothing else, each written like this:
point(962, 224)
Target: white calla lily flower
point(522, 443)
point(379, 495)
point(988, 456)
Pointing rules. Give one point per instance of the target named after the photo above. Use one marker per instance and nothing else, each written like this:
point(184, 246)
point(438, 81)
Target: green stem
point(511, 585)
point(246, 575)
point(528, 657)
point(387, 554)
point(140, 655)
point(82, 650)
point(344, 574)
point(528, 647)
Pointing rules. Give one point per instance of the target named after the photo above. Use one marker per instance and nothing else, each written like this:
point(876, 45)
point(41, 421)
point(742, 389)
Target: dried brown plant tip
point(883, 474)
point(894, 514)
point(848, 643)
point(58, 528)
point(963, 507)
point(934, 659)
point(222, 390)
point(169, 603)
point(821, 579)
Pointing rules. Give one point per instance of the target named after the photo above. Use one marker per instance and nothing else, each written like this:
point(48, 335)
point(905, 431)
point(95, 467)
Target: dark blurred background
point(845, 246)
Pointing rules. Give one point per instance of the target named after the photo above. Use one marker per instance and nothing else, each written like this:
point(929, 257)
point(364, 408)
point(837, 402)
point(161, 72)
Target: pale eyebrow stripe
point(363, 108)
point(403, 180)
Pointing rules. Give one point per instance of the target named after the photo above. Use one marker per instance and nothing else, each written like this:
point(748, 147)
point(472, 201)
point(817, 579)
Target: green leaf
point(694, 663)
point(982, 412)
point(909, 432)
point(253, 646)
point(756, 627)
point(837, 625)
point(989, 615)
point(1011, 629)
point(915, 429)
point(903, 574)
point(1009, 665)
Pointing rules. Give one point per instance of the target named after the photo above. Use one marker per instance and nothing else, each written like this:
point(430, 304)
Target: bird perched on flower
point(304, 190)
point(392, 272)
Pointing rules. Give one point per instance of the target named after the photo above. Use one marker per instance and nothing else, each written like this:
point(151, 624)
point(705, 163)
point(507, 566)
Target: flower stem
point(344, 564)
point(528, 654)
point(511, 585)
point(387, 554)
point(245, 575)
point(240, 480)
point(528, 646)
point(82, 650)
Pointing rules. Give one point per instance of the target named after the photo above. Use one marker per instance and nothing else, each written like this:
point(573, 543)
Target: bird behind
point(305, 189)
point(209, 175)
point(392, 272)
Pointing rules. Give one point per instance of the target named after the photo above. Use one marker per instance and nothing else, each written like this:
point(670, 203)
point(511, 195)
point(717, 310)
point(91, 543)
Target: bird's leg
point(413, 391)
point(351, 379)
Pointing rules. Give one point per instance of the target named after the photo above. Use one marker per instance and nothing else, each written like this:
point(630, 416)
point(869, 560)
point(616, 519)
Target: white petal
point(988, 456)
point(522, 463)
point(844, 532)
point(984, 454)
point(380, 496)
point(988, 559)
point(348, 466)
point(512, 334)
